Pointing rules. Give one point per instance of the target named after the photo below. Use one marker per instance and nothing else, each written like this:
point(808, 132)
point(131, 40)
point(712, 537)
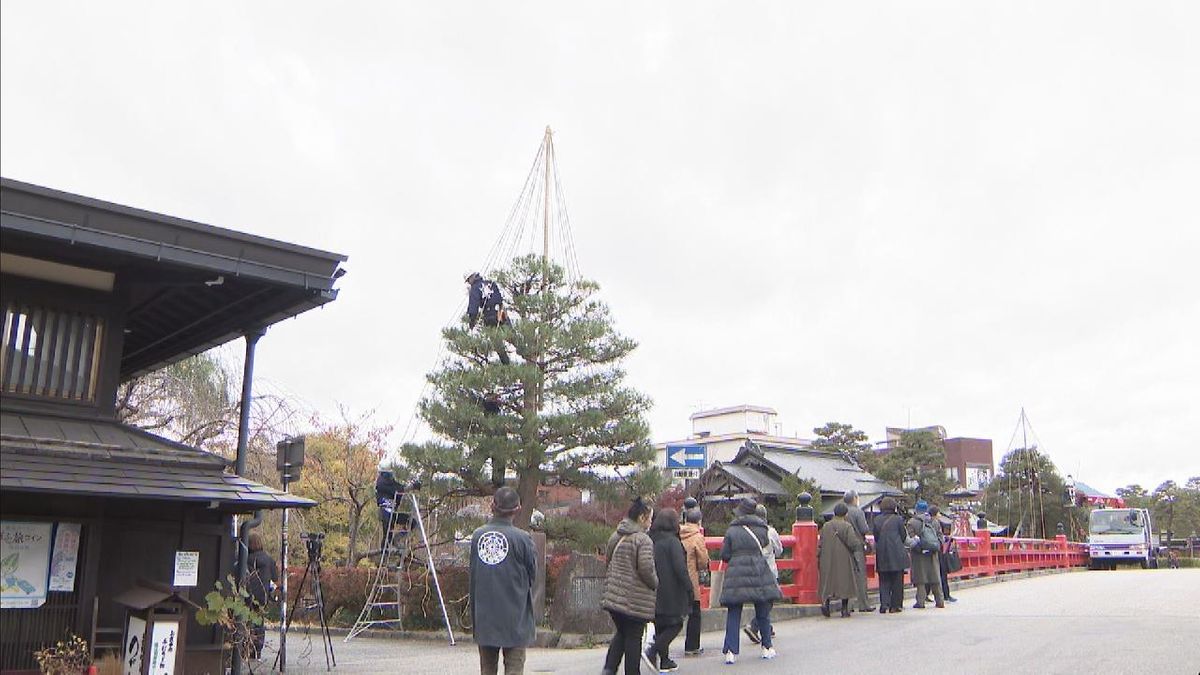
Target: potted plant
point(71, 656)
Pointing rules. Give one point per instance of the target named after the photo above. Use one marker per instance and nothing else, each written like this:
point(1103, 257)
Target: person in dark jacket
point(944, 559)
point(836, 553)
point(630, 588)
point(748, 579)
point(484, 297)
point(261, 577)
point(503, 569)
point(891, 556)
point(389, 497)
point(858, 519)
point(673, 598)
point(926, 574)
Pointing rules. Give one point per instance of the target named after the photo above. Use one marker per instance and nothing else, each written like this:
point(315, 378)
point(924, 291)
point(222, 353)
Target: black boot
point(825, 608)
point(845, 608)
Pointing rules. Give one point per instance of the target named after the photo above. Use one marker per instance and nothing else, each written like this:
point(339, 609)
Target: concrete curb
point(712, 620)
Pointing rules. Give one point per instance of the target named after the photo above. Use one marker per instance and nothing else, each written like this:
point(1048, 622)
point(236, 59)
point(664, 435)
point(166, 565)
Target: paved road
point(1135, 621)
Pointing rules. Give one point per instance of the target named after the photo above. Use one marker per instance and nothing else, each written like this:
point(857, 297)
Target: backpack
point(928, 540)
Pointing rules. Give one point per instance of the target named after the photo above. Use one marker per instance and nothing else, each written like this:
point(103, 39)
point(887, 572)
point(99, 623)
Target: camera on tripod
point(313, 543)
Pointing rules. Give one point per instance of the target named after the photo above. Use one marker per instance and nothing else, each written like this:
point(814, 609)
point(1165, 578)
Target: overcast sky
point(877, 213)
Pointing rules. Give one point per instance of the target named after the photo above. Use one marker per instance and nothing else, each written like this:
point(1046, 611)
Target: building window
point(50, 353)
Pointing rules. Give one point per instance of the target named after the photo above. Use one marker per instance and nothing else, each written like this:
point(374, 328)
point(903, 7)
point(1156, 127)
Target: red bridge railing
point(982, 556)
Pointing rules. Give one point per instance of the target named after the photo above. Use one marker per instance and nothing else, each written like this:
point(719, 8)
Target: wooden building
point(759, 469)
point(94, 294)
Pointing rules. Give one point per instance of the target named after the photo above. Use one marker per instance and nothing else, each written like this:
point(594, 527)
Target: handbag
point(715, 588)
point(953, 560)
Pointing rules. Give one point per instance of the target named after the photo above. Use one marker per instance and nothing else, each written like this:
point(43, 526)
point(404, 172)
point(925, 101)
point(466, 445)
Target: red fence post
point(805, 554)
point(985, 548)
point(1062, 550)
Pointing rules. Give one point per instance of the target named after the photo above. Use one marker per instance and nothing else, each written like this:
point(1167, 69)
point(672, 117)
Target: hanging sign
point(24, 563)
point(162, 647)
point(187, 568)
point(65, 557)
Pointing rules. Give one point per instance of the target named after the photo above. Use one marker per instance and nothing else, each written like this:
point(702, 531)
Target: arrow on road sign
point(686, 456)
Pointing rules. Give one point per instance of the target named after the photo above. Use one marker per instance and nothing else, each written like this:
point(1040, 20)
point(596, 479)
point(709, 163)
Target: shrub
point(565, 534)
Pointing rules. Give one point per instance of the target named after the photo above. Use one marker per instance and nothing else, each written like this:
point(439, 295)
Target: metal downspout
point(243, 441)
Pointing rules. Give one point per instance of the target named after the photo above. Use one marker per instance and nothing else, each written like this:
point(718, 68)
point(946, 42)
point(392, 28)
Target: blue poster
point(24, 563)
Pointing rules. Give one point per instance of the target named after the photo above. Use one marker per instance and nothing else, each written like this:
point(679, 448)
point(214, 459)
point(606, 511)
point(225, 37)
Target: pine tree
point(556, 411)
point(838, 437)
point(918, 464)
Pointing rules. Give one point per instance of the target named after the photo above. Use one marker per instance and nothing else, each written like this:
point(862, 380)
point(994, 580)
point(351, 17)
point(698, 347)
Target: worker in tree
point(486, 299)
point(491, 406)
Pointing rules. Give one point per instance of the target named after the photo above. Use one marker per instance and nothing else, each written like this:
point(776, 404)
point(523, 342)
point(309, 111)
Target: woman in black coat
point(891, 555)
point(748, 578)
point(673, 598)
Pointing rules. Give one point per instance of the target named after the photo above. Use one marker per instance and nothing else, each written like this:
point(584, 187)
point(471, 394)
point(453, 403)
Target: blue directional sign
point(686, 456)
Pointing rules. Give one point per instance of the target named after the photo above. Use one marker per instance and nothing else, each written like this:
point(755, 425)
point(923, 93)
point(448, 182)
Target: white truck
point(1120, 536)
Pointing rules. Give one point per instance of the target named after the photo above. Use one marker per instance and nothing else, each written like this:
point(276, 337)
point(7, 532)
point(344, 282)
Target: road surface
point(1126, 621)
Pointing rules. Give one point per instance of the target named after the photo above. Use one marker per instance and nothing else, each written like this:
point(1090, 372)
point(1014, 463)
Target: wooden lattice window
point(50, 353)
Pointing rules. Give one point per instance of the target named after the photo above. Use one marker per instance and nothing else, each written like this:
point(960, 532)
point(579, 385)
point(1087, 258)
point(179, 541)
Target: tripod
point(313, 542)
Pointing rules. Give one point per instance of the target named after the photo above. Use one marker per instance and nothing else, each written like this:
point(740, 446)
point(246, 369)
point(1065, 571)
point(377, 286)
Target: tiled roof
point(755, 480)
point(57, 455)
point(831, 471)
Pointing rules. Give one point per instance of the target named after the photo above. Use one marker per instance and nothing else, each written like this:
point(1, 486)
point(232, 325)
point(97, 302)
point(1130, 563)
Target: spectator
point(630, 587)
point(944, 557)
point(858, 519)
point(503, 569)
point(773, 549)
point(673, 599)
point(692, 536)
point(747, 579)
point(891, 556)
point(926, 542)
point(835, 551)
point(261, 577)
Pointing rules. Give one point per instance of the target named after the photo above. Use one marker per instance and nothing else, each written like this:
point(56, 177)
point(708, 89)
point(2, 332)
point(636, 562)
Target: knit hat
point(746, 507)
point(922, 506)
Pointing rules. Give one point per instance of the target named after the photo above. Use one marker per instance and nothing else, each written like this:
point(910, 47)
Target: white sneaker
point(768, 653)
point(730, 658)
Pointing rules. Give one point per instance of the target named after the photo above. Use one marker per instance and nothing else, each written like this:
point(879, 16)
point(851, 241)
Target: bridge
point(1069, 621)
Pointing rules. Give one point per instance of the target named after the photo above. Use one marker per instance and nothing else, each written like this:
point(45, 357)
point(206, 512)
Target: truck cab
point(1120, 536)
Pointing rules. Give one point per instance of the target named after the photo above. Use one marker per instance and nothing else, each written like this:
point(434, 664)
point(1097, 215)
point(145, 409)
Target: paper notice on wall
point(135, 634)
point(65, 557)
point(162, 647)
point(187, 568)
point(24, 563)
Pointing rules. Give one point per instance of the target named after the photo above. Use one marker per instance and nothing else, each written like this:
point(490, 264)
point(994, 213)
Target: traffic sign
point(686, 474)
point(687, 456)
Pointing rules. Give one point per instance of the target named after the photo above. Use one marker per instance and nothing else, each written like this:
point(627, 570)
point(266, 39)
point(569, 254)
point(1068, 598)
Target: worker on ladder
point(486, 299)
point(389, 496)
